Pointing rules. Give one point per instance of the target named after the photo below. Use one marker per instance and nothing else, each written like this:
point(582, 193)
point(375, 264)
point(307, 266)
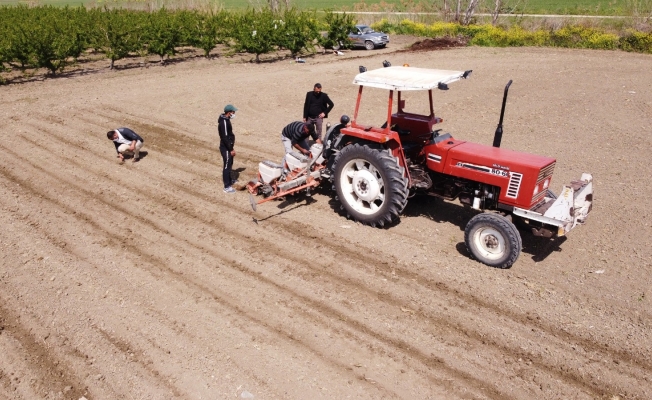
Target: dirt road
point(146, 281)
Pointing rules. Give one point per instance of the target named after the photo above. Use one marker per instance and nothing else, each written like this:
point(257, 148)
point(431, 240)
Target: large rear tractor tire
point(370, 184)
point(493, 240)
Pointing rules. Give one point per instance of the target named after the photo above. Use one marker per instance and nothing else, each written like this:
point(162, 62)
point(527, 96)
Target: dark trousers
point(228, 164)
point(317, 122)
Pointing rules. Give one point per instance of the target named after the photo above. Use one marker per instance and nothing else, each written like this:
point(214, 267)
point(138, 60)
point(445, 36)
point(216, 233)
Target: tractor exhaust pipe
point(498, 136)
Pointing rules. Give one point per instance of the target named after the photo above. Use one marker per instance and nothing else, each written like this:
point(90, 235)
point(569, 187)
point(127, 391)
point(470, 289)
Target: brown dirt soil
point(437, 44)
point(147, 281)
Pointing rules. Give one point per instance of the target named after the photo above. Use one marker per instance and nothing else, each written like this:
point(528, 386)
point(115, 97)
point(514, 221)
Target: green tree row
point(53, 38)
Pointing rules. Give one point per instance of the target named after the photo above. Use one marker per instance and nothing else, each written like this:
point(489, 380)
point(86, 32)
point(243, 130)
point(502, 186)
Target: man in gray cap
point(227, 141)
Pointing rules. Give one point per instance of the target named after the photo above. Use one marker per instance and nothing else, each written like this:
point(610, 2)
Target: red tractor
point(375, 170)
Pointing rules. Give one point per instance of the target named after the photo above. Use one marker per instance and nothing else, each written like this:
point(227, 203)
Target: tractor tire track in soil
point(148, 281)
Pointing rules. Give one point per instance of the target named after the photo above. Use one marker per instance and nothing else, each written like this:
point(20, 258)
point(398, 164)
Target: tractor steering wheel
point(435, 133)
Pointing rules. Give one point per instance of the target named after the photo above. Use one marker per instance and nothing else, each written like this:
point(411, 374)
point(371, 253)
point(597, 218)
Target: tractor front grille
point(514, 184)
point(546, 172)
point(537, 197)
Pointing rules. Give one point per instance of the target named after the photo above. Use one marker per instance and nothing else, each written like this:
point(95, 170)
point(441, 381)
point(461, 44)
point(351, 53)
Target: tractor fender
point(392, 145)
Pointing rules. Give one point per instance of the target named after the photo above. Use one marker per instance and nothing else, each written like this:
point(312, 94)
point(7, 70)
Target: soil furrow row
point(215, 295)
point(69, 247)
point(467, 330)
point(56, 376)
point(331, 311)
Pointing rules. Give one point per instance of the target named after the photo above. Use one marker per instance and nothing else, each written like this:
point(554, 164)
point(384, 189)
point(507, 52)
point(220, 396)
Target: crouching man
point(126, 141)
point(295, 137)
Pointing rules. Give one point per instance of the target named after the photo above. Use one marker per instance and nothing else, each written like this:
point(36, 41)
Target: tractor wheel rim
point(366, 186)
point(490, 243)
point(363, 186)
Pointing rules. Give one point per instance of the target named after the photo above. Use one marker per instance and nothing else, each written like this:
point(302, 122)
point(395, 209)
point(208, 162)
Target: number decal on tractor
point(499, 172)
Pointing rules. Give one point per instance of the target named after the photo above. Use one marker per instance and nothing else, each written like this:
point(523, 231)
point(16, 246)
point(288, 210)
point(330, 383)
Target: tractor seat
point(401, 132)
point(397, 129)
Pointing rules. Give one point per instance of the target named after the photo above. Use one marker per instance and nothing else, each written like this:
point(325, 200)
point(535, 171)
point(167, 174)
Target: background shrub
point(636, 41)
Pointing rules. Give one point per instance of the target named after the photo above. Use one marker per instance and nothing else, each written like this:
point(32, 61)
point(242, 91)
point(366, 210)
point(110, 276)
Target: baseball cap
point(229, 108)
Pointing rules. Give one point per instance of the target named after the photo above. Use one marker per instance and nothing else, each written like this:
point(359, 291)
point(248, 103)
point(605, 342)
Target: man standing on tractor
point(316, 107)
point(227, 141)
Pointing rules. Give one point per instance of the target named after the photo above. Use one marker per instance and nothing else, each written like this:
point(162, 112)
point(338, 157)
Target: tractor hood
point(497, 157)
point(522, 177)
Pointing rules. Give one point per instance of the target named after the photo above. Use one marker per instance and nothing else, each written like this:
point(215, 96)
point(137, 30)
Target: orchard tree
point(18, 37)
point(116, 34)
point(470, 10)
point(274, 5)
point(163, 33)
point(55, 39)
point(4, 42)
point(255, 32)
point(208, 29)
point(298, 31)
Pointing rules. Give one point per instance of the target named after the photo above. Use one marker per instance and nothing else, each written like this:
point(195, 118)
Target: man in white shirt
point(126, 141)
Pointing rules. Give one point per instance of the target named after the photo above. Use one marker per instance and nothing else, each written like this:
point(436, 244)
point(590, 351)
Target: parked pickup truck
point(365, 37)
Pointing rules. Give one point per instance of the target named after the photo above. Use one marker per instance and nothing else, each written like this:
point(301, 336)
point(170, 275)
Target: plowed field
point(146, 281)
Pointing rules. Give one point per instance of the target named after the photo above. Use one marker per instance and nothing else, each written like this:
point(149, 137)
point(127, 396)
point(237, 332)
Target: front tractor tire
point(370, 184)
point(493, 240)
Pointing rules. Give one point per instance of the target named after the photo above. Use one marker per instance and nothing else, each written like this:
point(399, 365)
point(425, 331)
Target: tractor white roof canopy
point(406, 78)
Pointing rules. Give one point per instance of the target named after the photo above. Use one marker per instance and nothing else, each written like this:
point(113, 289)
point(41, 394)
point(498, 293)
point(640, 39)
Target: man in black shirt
point(227, 141)
point(316, 107)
